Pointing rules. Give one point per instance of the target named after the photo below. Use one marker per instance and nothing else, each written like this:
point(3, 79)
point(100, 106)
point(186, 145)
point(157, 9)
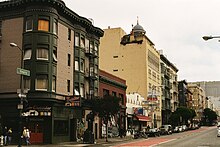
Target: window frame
point(43, 27)
point(27, 55)
point(29, 21)
point(42, 58)
point(55, 26)
point(41, 77)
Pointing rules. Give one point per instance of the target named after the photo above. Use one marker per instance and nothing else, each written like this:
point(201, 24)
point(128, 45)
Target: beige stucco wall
point(10, 57)
point(64, 72)
point(130, 62)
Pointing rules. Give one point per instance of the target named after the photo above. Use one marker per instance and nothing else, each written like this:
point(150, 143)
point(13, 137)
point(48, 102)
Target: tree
point(182, 114)
point(209, 116)
point(105, 108)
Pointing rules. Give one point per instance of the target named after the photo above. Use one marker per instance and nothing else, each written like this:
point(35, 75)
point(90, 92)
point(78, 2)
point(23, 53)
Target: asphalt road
point(203, 137)
point(207, 138)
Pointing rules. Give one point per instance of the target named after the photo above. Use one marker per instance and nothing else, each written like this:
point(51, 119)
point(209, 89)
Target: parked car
point(166, 129)
point(140, 134)
point(185, 128)
point(153, 132)
point(180, 128)
point(176, 129)
point(218, 131)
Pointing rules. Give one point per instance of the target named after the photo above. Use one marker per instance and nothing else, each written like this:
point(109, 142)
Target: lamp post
point(21, 95)
point(153, 105)
point(209, 37)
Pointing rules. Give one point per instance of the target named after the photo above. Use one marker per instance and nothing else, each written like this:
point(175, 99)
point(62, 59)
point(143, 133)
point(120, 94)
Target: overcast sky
point(174, 26)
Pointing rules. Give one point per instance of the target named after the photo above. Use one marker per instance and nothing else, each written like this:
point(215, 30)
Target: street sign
point(24, 72)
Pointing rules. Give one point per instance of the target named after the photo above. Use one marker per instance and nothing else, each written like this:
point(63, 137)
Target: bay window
point(41, 82)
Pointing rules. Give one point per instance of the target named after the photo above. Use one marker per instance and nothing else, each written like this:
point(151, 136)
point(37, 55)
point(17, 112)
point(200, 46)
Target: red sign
point(152, 98)
point(73, 101)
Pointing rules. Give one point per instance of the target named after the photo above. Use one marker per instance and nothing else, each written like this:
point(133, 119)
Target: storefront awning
point(143, 118)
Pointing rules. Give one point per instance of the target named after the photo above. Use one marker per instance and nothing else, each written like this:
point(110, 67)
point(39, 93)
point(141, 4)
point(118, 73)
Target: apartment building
point(57, 53)
point(198, 99)
point(169, 87)
point(133, 58)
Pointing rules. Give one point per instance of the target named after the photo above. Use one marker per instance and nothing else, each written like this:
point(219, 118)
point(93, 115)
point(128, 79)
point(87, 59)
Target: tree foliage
point(182, 115)
point(106, 106)
point(209, 116)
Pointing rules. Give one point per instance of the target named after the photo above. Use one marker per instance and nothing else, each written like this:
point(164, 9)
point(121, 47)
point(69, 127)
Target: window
point(96, 69)
point(68, 85)
point(121, 96)
point(43, 25)
point(27, 54)
point(41, 82)
point(82, 42)
point(27, 83)
point(96, 92)
point(82, 65)
point(55, 27)
point(96, 49)
point(54, 84)
point(87, 45)
point(77, 64)
point(0, 28)
point(55, 55)
point(69, 60)
point(69, 34)
point(29, 24)
point(77, 39)
point(82, 90)
point(105, 92)
point(42, 54)
point(113, 93)
point(91, 47)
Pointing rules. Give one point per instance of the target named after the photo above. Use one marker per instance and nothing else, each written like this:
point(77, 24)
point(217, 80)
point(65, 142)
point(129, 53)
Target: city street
point(203, 137)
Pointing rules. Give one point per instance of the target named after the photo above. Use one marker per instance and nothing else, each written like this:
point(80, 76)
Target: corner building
point(133, 57)
point(61, 52)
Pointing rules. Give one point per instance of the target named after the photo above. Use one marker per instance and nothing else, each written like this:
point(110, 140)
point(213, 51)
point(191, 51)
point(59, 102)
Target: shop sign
point(138, 111)
point(38, 111)
point(73, 101)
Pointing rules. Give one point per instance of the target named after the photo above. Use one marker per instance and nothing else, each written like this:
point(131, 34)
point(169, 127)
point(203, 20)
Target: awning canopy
point(143, 118)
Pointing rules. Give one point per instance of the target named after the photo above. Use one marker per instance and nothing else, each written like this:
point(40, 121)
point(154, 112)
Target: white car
point(218, 132)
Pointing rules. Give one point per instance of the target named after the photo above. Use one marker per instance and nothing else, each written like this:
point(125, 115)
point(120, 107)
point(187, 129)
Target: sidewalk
point(81, 144)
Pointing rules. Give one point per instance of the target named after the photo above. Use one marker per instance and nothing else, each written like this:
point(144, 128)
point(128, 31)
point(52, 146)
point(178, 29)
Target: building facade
point(115, 86)
point(169, 88)
point(198, 100)
point(138, 118)
point(133, 58)
point(60, 50)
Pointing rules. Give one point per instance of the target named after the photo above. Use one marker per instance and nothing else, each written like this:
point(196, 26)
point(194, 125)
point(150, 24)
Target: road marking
point(163, 142)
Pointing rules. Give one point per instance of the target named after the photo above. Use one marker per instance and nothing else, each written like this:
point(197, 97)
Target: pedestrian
point(24, 134)
point(5, 135)
point(9, 136)
point(1, 135)
point(28, 135)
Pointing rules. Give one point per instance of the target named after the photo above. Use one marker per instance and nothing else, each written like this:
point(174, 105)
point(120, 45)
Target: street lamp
point(153, 104)
point(209, 37)
point(20, 94)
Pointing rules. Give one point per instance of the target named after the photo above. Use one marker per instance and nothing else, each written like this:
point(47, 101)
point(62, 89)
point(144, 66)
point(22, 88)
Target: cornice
point(111, 82)
point(61, 8)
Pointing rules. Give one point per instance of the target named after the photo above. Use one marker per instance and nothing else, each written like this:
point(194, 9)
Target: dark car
point(166, 129)
point(154, 132)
